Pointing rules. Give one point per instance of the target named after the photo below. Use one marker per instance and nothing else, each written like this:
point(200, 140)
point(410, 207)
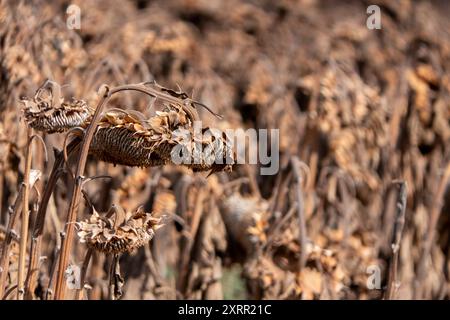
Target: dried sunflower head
point(49, 112)
point(124, 232)
point(127, 138)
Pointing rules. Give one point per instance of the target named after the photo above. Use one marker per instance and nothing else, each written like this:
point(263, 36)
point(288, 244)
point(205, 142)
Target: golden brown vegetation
point(364, 120)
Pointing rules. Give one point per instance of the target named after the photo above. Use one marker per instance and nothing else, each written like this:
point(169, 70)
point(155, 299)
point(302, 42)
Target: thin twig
point(398, 230)
point(296, 164)
point(195, 222)
point(10, 235)
point(84, 267)
point(431, 232)
point(277, 228)
point(49, 292)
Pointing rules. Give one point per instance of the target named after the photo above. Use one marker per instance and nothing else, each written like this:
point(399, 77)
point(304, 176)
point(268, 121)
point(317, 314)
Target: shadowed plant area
point(112, 187)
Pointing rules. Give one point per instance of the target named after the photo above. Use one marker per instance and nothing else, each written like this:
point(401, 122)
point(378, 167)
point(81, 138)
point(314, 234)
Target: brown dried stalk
point(398, 230)
point(116, 280)
point(189, 244)
point(84, 267)
point(25, 218)
point(296, 164)
point(430, 236)
point(52, 275)
point(38, 228)
point(10, 234)
point(9, 291)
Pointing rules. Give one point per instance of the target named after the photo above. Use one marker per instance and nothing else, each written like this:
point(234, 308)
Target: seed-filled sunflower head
point(126, 137)
point(48, 111)
point(118, 232)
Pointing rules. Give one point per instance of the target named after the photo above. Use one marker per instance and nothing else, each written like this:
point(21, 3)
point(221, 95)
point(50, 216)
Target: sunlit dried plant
point(126, 138)
point(49, 112)
point(124, 232)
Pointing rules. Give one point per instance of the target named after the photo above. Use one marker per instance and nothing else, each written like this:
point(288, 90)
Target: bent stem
point(436, 210)
point(296, 165)
point(10, 235)
point(87, 259)
point(398, 230)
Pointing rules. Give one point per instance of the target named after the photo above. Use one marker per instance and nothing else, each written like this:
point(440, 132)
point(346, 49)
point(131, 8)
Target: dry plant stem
point(192, 113)
point(184, 264)
point(152, 265)
point(96, 273)
point(111, 278)
point(4, 260)
point(275, 232)
point(105, 95)
point(76, 193)
point(434, 217)
point(2, 178)
point(87, 259)
point(300, 211)
point(398, 230)
point(252, 181)
point(9, 291)
point(115, 279)
point(41, 214)
point(49, 292)
point(281, 191)
point(25, 219)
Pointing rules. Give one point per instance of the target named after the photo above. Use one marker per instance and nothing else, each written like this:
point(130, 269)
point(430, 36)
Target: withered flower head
point(49, 112)
point(123, 233)
point(127, 138)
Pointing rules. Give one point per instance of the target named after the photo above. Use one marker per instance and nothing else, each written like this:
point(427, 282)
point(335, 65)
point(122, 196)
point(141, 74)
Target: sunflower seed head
point(49, 113)
point(105, 235)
